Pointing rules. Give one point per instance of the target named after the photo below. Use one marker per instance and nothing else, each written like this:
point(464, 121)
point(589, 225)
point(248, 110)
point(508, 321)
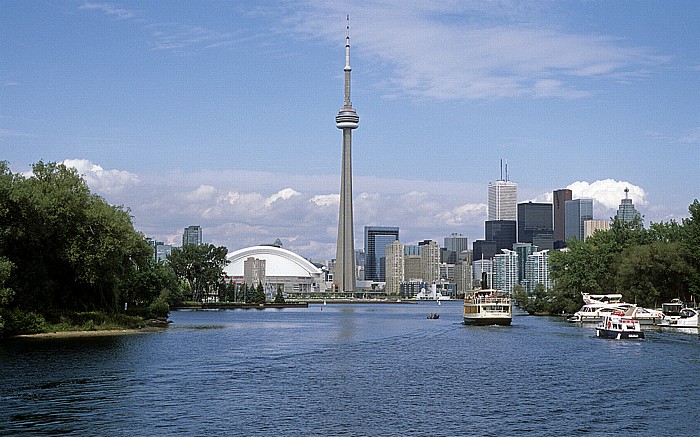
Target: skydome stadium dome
point(282, 267)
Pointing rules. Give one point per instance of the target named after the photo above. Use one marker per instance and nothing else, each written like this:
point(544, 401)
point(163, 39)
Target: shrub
point(17, 322)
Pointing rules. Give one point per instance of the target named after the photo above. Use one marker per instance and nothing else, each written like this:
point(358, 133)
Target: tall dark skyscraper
point(559, 198)
point(502, 232)
point(347, 119)
point(534, 222)
point(577, 212)
point(377, 238)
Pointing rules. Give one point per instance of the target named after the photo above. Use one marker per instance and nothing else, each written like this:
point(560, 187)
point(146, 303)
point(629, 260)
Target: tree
point(71, 249)
point(279, 296)
point(201, 265)
point(259, 294)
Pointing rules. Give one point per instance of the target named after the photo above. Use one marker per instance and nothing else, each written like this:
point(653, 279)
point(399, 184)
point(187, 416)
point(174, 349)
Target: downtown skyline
point(221, 114)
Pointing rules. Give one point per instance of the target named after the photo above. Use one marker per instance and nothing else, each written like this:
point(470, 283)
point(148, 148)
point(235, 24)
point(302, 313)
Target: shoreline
point(94, 333)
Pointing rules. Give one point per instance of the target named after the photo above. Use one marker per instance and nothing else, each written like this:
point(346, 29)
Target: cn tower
point(347, 119)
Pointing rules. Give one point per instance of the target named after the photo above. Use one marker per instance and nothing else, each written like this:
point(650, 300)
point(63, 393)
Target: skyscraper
point(559, 198)
point(347, 119)
point(503, 196)
point(534, 221)
point(455, 244)
point(430, 261)
point(377, 238)
point(394, 267)
point(192, 235)
point(577, 212)
point(502, 232)
point(626, 212)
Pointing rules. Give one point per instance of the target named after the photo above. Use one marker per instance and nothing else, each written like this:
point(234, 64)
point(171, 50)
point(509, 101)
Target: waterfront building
point(559, 198)
point(523, 250)
point(411, 267)
point(534, 222)
point(463, 276)
point(377, 238)
point(254, 271)
point(482, 273)
point(503, 232)
point(447, 271)
point(505, 270)
point(577, 212)
point(192, 235)
point(483, 249)
point(297, 276)
point(455, 244)
point(430, 261)
point(590, 226)
point(394, 267)
point(537, 271)
point(502, 200)
point(626, 212)
point(347, 120)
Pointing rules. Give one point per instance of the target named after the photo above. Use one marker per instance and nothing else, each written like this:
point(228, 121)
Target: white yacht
point(433, 294)
point(488, 307)
point(676, 315)
point(592, 312)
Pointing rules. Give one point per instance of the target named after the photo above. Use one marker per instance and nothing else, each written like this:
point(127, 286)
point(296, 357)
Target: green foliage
point(647, 267)
point(259, 294)
point(17, 321)
point(66, 250)
point(201, 266)
point(279, 296)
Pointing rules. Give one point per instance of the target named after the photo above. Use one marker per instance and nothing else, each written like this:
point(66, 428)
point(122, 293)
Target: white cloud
point(608, 192)
point(473, 50)
point(326, 199)
point(108, 9)
point(284, 194)
point(103, 181)
point(202, 194)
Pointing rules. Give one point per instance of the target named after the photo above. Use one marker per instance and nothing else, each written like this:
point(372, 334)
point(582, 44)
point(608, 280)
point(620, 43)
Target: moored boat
point(676, 315)
point(620, 325)
point(488, 307)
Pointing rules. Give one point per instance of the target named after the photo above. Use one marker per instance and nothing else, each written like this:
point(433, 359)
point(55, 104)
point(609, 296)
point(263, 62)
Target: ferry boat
point(620, 325)
point(488, 307)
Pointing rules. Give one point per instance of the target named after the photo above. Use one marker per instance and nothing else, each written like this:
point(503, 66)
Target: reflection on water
point(351, 370)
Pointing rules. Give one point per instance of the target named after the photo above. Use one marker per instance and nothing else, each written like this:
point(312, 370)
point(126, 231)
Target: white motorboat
point(620, 325)
point(592, 312)
point(432, 294)
point(488, 307)
point(675, 316)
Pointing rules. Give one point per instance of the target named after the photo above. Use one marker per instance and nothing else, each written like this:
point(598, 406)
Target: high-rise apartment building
point(377, 238)
point(429, 261)
point(534, 222)
point(626, 212)
point(505, 270)
point(559, 198)
point(254, 271)
point(484, 249)
point(394, 267)
point(463, 276)
point(577, 212)
point(503, 232)
point(192, 235)
point(411, 267)
point(537, 271)
point(502, 200)
point(523, 250)
point(347, 120)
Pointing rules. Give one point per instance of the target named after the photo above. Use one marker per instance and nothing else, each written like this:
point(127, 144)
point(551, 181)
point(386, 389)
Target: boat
point(433, 316)
point(620, 325)
point(592, 312)
point(488, 307)
point(646, 316)
point(677, 315)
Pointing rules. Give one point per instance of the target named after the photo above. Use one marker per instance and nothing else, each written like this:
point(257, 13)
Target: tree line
point(647, 266)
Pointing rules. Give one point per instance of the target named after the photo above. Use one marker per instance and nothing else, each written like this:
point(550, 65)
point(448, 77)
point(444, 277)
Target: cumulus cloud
point(608, 192)
point(284, 194)
point(103, 181)
point(326, 199)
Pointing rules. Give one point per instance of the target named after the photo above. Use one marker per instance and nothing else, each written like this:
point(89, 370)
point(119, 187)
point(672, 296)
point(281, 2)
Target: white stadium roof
point(278, 262)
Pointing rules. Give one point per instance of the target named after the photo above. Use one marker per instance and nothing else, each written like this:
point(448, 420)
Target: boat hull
point(485, 321)
point(619, 335)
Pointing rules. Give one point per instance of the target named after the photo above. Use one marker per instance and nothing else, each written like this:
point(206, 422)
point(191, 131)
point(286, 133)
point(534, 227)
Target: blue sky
point(222, 113)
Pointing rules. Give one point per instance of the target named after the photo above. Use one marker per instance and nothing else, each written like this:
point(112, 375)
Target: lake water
point(365, 369)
